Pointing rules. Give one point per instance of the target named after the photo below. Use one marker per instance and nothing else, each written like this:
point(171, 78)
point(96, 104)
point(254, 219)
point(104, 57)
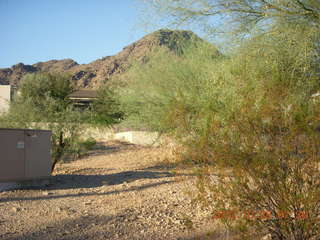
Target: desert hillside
point(107, 68)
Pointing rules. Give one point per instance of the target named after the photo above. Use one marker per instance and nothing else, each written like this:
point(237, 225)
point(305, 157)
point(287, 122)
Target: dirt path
point(118, 192)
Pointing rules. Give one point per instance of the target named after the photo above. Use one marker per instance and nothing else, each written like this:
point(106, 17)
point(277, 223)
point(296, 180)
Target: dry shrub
point(269, 143)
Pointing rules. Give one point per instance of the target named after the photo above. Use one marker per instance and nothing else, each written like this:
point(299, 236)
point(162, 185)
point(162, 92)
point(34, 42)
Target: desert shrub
point(250, 123)
point(79, 148)
point(105, 110)
point(89, 143)
point(269, 140)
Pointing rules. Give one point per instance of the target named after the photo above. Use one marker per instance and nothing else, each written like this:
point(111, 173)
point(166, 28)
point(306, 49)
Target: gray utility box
point(25, 154)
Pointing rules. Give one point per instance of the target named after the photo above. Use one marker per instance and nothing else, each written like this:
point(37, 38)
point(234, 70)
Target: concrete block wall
point(5, 96)
point(99, 134)
point(139, 137)
point(135, 137)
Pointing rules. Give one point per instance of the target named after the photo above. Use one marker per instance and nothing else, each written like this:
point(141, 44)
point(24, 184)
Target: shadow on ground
point(110, 147)
point(24, 197)
point(73, 181)
point(102, 227)
point(81, 182)
point(120, 226)
point(86, 182)
point(84, 227)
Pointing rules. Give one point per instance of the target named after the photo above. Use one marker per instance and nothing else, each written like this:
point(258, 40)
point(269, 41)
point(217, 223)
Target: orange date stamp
point(258, 215)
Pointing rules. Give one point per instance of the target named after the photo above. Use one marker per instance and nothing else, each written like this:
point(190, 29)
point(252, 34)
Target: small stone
point(59, 209)
point(16, 209)
point(47, 193)
point(266, 237)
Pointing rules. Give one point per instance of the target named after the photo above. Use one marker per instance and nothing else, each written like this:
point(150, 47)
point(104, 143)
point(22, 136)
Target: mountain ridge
point(102, 70)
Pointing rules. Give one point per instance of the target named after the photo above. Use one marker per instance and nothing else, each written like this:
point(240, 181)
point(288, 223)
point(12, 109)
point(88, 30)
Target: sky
point(83, 30)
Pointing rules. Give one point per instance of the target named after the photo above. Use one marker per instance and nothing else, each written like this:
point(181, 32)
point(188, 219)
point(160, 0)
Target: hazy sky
point(84, 30)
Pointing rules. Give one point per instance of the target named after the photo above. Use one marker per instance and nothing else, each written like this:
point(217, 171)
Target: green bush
point(105, 110)
point(88, 144)
point(79, 148)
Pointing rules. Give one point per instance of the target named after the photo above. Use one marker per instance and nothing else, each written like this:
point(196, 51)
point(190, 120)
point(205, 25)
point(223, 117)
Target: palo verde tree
point(239, 15)
point(249, 124)
point(257, 116)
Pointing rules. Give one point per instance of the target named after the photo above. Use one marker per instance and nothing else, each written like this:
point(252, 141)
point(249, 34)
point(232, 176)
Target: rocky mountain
point(107, 68)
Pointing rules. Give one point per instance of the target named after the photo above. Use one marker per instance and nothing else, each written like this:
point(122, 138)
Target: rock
point(59, 209)
point(266, 237)
point(16, 209)
point(47, 193)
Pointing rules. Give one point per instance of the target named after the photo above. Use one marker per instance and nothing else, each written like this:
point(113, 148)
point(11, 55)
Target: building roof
point(83, 94)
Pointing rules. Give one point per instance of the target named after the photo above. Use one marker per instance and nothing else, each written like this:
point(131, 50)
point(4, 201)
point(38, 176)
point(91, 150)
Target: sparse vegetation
point(82, 147)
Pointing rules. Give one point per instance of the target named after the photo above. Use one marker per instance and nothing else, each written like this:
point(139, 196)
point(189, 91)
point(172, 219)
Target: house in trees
point(83, 98)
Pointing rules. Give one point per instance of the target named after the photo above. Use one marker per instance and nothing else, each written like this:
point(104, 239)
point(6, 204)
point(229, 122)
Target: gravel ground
point(119, 191)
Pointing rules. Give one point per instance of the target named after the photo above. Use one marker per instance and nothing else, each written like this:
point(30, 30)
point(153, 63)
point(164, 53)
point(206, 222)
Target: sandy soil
point(119, 191)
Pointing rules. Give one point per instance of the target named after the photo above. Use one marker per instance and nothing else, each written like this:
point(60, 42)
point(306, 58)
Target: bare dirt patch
point(119, 191)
